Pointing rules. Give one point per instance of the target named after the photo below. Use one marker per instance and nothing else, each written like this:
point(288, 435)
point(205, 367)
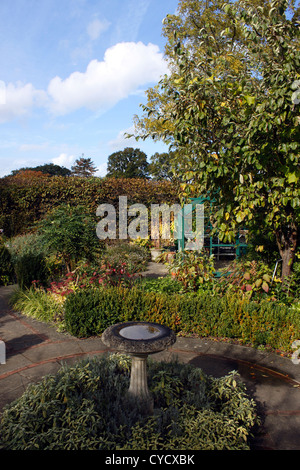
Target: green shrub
point(26, 244)
point(89, 312)
point(85, 407)
point(161, 285)
point(134, 256)
point(254, 279)
point(250, 278)
point(193, 270)
point(70, 233)
point(30, 267)
point(6, 266)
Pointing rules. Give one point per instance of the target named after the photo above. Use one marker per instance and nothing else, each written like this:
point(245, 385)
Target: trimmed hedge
point(90, 312)
point(24, 201)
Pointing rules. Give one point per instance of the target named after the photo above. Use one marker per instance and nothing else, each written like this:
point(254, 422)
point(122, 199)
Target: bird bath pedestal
point(139, 339)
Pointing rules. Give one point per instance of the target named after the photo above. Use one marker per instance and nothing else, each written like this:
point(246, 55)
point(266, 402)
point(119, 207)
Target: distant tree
point(47, 169)
point(53, 170)
point(83, 167)
point(128, 163)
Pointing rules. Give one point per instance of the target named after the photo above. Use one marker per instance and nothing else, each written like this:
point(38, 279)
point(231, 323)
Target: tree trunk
point(287, 243)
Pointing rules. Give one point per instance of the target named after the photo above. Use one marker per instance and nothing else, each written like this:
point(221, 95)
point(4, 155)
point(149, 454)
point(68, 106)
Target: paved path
point(34, 349)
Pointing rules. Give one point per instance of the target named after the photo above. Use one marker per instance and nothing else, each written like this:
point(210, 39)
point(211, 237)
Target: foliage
point(39, 304)
point(24, 202)
point(49, 169)
point(163, 166)
point(85, 407)
point(144, 242)
point(247, 277)
point(128, 163)
point(289, 291)
point(31, 244)
point(28, 176)
point(230, 104)
point(70, 232)
point(90, 275)
point(193, 269)
point(6, 265)
point(28, 257)
point(134, 256)
point(26, 244)
point(87, 312)
point(256, 280)
point(83, 167)
point(165, 284)
point(30, 267)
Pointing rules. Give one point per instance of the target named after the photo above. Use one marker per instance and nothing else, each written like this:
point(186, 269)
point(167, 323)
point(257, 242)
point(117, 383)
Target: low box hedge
point(90, 312)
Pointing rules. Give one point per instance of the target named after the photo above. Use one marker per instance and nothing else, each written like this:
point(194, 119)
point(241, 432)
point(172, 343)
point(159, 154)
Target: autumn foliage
point(28, 196)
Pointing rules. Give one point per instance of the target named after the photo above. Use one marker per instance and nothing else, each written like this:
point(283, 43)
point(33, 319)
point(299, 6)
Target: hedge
point(90, 312)
point(24, 201)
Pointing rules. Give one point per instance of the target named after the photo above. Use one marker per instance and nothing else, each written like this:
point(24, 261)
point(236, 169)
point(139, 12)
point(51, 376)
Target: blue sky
point(73, 74)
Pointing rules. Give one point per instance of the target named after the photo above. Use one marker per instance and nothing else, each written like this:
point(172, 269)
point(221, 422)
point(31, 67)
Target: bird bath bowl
point(139, 339)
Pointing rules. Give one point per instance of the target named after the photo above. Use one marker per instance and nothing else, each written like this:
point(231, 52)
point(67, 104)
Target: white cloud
point(64, 160)
point(19, 100)
point(125, 67)
point(121, 141)
point(96, 27)
point(101, 170)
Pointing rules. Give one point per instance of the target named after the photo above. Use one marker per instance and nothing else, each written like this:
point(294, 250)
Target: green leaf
point(240, 217)
point(292, 178)
point(250, 100)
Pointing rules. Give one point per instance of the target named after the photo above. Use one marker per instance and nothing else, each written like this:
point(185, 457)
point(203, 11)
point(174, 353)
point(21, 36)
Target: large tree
point(231, 104)
point(128, 163)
